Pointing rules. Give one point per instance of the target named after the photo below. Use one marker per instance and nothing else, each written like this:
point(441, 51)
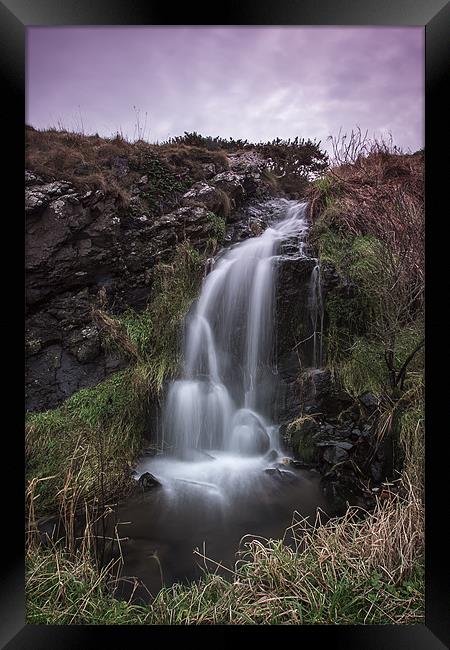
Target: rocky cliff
point(86, 246)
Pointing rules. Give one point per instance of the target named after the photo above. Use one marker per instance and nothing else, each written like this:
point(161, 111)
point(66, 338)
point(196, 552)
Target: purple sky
point(254, 83)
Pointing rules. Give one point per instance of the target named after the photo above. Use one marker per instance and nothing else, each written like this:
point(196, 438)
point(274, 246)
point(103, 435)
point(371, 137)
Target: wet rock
point(85, 344)
point(271, 455)
point(33, 346)
point(202, 193)
point(369, 400)
point(147, 481)
point(376, 470)
point(334, 454)
point(287, 475)
point(40, 196)
point(335, 443)
point(231, 183)
point(78, 245)
point(32, 179)
point(81, 245)
point(292, 322)
point(273, 471)
point(319, 390)
point(209, 170)
point(247, 162)
point(366, 430)
point(249, 436)
point(281, 474)
point(194, 455)
point(329, 276)
point(300, 464)
point(253, 441)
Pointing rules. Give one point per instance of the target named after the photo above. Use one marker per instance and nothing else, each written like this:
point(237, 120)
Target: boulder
point(281, 474)
point(147, 481)
point(231, 183)
point(202, 193)
point(271, 456)
point(335, 454)
point(302, 432)
point(319, 392)
point(369, 401)
point(342, 444)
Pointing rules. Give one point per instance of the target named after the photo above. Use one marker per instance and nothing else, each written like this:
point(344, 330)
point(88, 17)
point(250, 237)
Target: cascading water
point(218, 482)
point(223, 400)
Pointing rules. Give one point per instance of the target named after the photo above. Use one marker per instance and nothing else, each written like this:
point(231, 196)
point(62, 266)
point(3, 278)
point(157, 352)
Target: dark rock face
point(319, 394)
point(336, 434)
point(80, 244)
point(292, 326)
point(75, 247)
point(281, 474)
point(64, 352)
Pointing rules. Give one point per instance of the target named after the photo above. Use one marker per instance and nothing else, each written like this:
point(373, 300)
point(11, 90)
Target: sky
point(241, 82)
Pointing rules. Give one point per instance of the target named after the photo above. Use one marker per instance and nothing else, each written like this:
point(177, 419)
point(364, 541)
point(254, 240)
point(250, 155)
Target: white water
point(224, 397)
point(218, 484)
point(216, 423)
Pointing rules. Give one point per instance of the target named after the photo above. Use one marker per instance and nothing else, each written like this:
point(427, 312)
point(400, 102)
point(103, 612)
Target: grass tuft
point(359, 568)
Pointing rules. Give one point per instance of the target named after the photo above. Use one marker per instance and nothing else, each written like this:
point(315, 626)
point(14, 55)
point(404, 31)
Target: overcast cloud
point(253, 83)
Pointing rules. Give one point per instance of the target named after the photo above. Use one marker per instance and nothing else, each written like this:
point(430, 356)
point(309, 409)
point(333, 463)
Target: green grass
point(155, 332)
point(163, 183)
point(96, 434)
point(352, 570)
point(363, 367)
point(374, 317)
point(360, 315)
point(218, 226)
point(63, 590)
point(363, 568)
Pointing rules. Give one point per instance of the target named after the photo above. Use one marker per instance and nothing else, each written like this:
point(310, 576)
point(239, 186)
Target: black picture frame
point(15, 17)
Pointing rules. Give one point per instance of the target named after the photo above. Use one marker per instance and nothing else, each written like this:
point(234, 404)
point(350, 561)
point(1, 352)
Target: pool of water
point(207, 503)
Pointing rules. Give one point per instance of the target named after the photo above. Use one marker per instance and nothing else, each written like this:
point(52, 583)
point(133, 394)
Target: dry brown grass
point(389, 539)
point(369, 221)
point(91, 162)
point(362, 568)
point(192, 159)
point(370, 190)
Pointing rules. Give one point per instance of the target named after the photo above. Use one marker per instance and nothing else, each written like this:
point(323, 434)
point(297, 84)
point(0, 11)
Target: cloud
point(254, 83)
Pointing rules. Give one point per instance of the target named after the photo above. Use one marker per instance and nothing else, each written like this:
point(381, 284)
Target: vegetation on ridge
point(114, 164)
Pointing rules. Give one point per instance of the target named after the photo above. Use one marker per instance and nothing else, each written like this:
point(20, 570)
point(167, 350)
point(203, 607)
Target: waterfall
point(224, 397)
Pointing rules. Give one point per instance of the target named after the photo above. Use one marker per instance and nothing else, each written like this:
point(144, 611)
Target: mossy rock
point(302, 433)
